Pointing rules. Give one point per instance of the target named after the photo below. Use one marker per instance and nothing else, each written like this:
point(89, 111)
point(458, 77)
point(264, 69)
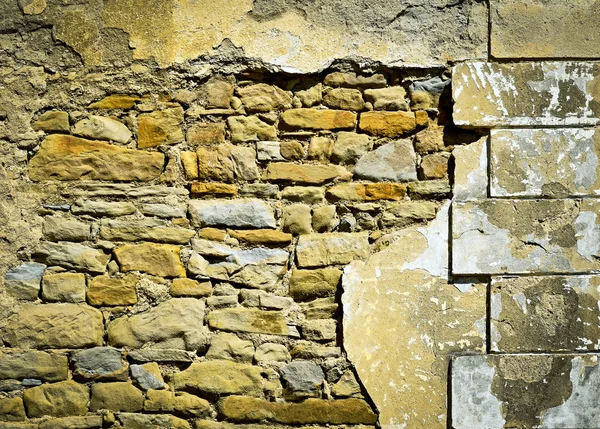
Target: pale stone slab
point(541, 391)
point(318, 250)
point(549, 314)
point(545, 29)
point(471, 171)
point(242, 213)
point(525, 236)
point(403, 320)
point(526, 94)
point(545, 162)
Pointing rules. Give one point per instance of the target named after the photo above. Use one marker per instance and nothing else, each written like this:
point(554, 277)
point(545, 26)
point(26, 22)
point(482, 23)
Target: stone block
point(250, 129)
point(547, 93)
point(189, 287)
point(344, 99)
point(116, 396)
point(349, 147)
point(107, 291)
point(62, 399)
point(63, 157)
point(157, 259)
point(173, 324)
point(82, 422)
point(525, 236)
point(23, 281)
point(302, 380)
point(248, 320)
point(206, 134)
point(545, 314)
point(102, 128)
point(147, 376)
point(318, 119)
point(57, 121)
point(61, 229)
point(58, 326)
point(306, 285)
point(102, 208)
point(230, 347)
point(546, 391)
point(144, 230)
point(387, 124)
point(180, 403)
point(160, 127)
point(395, 161)
point(151, 421)
point(64, 287)
point(242, 213)
point(317, 250)
point(392, 98)
point(264, 98)
point(541, 29)
point(352, 80)
point(555, 162)
point(20, 364)
point(305, 173)
point(100, 364)
point(220, 377)
point(471, 171)
point(366, 191)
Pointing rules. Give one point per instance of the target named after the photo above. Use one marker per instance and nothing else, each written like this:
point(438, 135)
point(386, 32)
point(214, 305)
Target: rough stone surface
point(65, 287)
point(62, 399)
point(553, 236)
point(530, 162)
point(306, 285)
point(526, 94)
point(102, 128)
point(116, 396)
point(250, 129)
point(53, 121)
point(156, 259)
point(23, 281)
point(147, 376)
point(427, 321)
point(73, 256)
point(151, 421)
point(230, 347)
point(220, 377)
point(549, 314)
point(243, 213)
point(303, 380)
point(54, 326)
point(161, 127)
point(311, 411)
point(83, 422)
point(70, 158)
point(61, 229)
point(366, 191)
point(345, 99)
point(541, 29)
point(489, 391)
point(314, 119)
point(387, 124)
point(206, 134)
point(270, 352)
point(173, 324)
point(471, 171)
point(100, 364)
point(20, 364)
point(392, 98)
point(304, 173)
point(248, 320)
point(317, 250)
point(144, 230)
point(102, 208)
point(394, 161)
point(12, 410)
point(107, 291)
point(296, 219)
point(349, 147)
point(264, 98)
point(189, 287)
point(179, 403)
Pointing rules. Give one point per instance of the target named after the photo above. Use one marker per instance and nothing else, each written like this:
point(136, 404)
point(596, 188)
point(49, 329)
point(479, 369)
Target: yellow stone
point(104, 290)
point(261, 236)
point(387, 124)
point(203, 189)
point(157, 259)
point(315, 119)
point(116, 101)
point(189, 287)
point(367, 191)
point(160, 127)
point(304, 173)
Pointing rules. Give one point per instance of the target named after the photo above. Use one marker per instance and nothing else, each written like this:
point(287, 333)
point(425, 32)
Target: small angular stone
point(160, 355)
point(200, 189)
point(220, 377)
point(435, 166)
point(296, 219)
point(64, 157)
point(315, 119)
point(392, 98)
point(206, 134)
point(345, 99)
point(65, 287)
point(217, 92)
point(248, 320)
point(349, 147)
point(100, 364)
point(12, 410)
point(173, 324)
point(304, 194)
point(312, 351)
point(311, 96)
point(324, 218)
point(347, 386)
point(352, 80)
point(58, 326)
point(306, 285)
point(406, 212)
point(264, 98)
point(23, 281)
point(470, 171)
point(316, 250)
point(107, 291)
point(387, 124)
point(395, 161)
point(189, 162)
point(259, 190)
point(250, 129)
point(230, 347)
point(430, 189)
point(321, 308)
point(302, 380)
point(243, 213)
point(431, 139)
point(320, 148)
point(73, 256)
point(53, 121)
point(160, 127)
point(291, 150)
point(62, 399)
point(156, 259)
point(102, 128)
point(270, 352)
point(116, 396)
point(147, 376)
point(319, 329)
point(269, 151)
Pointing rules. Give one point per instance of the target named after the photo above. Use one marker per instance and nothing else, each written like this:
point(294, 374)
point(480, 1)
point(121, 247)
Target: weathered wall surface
point(258, 214)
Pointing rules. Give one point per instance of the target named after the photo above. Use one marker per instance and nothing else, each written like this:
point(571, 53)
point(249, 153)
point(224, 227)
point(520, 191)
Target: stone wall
point(282, 214)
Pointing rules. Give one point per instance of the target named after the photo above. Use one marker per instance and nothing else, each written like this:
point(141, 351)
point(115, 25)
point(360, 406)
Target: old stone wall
point(299, 214)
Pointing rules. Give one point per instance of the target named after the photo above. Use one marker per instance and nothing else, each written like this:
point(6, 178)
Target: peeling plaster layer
point(470, 171)
point(526, 94)
point(546, 314)
point(545, 29)
point(548, 162)
point(403, 319)
point(542, 391)
point(525, 236)
point(292, 35)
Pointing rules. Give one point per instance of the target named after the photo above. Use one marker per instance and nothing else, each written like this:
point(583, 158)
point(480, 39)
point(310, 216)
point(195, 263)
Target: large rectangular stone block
point(526, 93)
point(545, 162)
point(545, 29)
point(526, 236)
point(545, 313)
point(526, 391)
